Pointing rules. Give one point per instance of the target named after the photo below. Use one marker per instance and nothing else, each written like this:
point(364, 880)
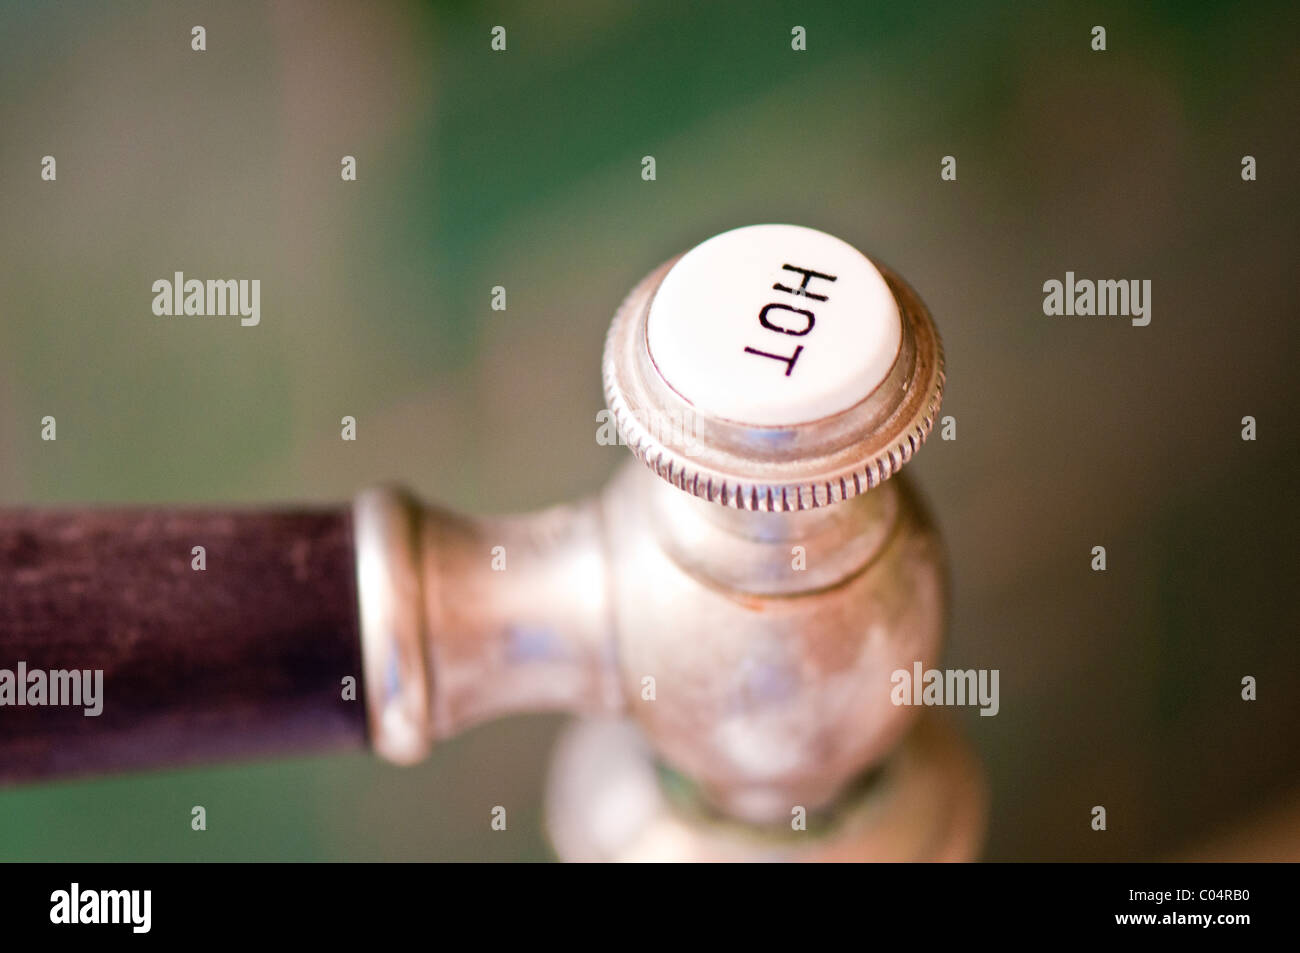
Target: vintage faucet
point(726, 614)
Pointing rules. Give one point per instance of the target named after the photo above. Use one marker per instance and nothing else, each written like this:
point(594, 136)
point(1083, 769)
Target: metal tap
point(728, 612)
point(726, 615)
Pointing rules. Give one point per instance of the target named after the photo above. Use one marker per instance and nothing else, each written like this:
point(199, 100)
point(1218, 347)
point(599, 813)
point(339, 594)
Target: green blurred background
point(523, 169)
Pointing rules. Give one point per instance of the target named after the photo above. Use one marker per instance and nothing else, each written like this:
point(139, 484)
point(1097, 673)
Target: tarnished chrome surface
point(607, 801)
point(751, 644)
point(464, 620)
point(385, 529)
point(771, 698)
point(518, 616)
point(768, 685)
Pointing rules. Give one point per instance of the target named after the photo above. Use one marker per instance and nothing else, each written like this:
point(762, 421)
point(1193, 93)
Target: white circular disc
point(807, 358)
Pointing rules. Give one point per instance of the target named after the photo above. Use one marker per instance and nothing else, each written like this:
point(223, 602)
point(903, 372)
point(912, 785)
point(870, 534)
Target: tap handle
point(122, 646)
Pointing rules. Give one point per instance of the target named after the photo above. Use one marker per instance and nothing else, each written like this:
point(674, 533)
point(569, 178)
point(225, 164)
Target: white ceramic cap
point(773, 326)
point(773, 368)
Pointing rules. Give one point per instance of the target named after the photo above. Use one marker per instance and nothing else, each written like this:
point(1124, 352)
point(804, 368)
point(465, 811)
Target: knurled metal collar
point(773, 462)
